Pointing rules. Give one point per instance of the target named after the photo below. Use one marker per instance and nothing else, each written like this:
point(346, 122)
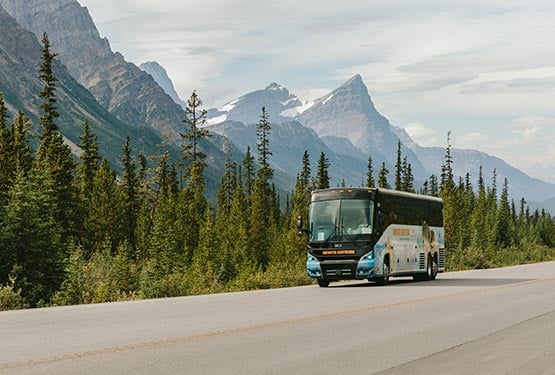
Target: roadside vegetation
point(73, 232)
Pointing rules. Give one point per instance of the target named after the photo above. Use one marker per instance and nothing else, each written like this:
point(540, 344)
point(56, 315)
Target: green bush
point(10, 299)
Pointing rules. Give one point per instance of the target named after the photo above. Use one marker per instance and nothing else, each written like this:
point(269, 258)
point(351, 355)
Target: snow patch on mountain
point(229, 106)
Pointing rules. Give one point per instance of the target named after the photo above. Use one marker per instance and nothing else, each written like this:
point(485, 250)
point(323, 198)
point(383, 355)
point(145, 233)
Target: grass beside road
point(478, 258)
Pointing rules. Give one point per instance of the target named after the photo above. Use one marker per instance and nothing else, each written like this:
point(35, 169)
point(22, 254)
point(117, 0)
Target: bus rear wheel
point(434, 269)
point(323, 283)
point(426, 275)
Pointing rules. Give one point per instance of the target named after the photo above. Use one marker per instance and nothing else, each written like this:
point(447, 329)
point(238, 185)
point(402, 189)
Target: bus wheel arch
point(386, 271)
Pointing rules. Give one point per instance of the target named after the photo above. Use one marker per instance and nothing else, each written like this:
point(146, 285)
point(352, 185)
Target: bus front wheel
point(384, 280)
point(323, 283)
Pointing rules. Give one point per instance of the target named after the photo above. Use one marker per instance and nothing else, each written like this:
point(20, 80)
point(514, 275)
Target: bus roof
point(365, 193)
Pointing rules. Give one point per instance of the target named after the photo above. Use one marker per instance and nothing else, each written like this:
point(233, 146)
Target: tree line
point(72, 231)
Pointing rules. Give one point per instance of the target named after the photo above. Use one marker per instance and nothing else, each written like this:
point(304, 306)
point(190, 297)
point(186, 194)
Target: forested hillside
point(73, 231)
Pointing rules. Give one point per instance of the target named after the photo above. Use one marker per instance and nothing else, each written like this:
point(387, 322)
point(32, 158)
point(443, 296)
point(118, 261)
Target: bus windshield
point(341, 220)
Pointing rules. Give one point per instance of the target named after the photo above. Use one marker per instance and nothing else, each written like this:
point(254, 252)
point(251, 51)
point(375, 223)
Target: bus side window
point(381, 220)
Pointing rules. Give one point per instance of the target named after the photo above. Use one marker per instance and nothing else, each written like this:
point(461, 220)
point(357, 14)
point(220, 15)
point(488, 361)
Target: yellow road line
point(234, 331)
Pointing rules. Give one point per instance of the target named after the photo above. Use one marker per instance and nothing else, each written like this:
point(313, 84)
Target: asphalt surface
point(475, 322)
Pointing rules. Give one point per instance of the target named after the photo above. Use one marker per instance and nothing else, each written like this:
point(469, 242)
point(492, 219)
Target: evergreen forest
point(73, 231)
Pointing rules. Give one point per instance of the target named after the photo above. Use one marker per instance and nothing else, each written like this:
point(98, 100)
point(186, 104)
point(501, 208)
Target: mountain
point(349, 112)
point(126, 92)
point(277, 100)
point(161, 77)
point(520, 184)
point(122, 88)
point(20, 54)
point(347, 127)
point(288, 141)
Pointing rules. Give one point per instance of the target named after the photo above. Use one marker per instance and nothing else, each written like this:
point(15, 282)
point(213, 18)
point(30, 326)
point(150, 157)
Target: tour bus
point(374, 234)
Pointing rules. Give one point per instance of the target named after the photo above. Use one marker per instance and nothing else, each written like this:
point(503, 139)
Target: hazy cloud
point(422, 134)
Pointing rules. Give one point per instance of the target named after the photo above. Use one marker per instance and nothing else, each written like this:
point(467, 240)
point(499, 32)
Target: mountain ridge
point(356, 129)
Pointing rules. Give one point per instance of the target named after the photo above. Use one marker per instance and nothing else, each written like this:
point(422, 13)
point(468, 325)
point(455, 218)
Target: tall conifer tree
point(130, 190)
point(53, 154)
point(196, 118)
point(398, 168)
point(6, 154)
point(382, 177)
point(249, 171)
point(370, 182)
point(322, 176)
point(90, 159)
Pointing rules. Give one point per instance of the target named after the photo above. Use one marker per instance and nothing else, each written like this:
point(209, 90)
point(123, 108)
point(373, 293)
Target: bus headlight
point(365, 265)
point(313, 267)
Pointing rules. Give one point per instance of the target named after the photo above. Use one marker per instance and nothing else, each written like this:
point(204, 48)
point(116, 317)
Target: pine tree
point(407, 181)
point(398, 169)
point(34, 236)
point(203, 271)
point(322, 176)
point(434, 187)
point(370, 173)
point(167, 236)
point(305, 171)
point(503, 232)
point(239, 247)
point(48, 95)
point(521, 212)
point(105, 216)
point(451, 199)
point(382, 177)
point(227, 187)
point(130, 190)
point(225, 227)
point(447, 183)
point(90, 159)
point(6, 154)
point(249, 171)
point(54, 156)
point(262, 199)
point(425, 189)
point(195, 119)
point(478, 224)
point(22, 150)
point(263, 130)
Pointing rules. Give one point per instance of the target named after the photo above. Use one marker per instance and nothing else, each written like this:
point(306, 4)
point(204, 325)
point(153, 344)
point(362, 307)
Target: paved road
point(475, 322)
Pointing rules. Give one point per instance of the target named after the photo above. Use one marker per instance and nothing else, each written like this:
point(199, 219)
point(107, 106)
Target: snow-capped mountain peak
point(277, 100)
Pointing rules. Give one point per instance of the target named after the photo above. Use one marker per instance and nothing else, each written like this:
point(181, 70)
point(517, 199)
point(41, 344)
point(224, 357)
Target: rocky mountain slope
point(122, 88)
point(161, 77)
point(20, 54)
point(348, 112)
point(129, 94)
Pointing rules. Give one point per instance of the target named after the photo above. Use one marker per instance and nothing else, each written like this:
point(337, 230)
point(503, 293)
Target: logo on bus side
point(401, 232)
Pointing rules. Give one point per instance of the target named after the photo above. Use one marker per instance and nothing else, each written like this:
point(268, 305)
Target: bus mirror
point(300, 225)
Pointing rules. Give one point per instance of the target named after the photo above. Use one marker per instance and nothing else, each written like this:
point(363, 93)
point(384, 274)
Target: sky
point(484, 70)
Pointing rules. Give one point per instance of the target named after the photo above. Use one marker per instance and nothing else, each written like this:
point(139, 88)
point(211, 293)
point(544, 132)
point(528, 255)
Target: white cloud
point(485, 70)
point(422, 134)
